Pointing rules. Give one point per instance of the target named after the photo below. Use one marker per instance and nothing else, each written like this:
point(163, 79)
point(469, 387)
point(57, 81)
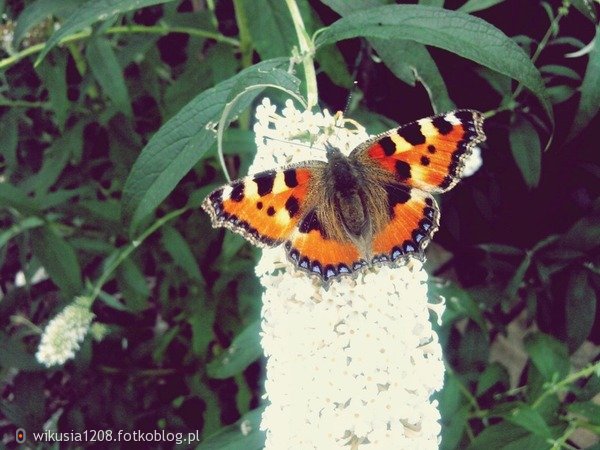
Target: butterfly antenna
point(364, 51)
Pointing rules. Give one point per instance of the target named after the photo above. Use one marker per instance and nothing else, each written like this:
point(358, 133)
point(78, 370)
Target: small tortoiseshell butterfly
point(372, 207)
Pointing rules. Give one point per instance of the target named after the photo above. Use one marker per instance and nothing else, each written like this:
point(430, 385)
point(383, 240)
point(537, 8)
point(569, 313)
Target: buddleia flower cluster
point(64, 334)
point(353, 365)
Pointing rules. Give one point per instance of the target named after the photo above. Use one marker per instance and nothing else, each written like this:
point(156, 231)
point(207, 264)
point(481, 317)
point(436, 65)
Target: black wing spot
point(402, 170)
point(264, 182)
point(425, 160)
point(237, 193)
point(311, 222)
point(388, 146)
point(292, 205)
point(396, 195)
point(289, 176)
point(259, 205)
point(431, 149)
point(271, 211)
point(412, 133)
point(442, 125)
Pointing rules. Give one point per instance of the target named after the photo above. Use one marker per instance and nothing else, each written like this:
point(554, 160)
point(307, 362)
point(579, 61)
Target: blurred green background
point(107, 148)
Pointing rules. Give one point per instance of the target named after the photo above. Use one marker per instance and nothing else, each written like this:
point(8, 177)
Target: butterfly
point(372, 207)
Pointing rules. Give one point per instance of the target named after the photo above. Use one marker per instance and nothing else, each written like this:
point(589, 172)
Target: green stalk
point(127, 29)
point(307, 52)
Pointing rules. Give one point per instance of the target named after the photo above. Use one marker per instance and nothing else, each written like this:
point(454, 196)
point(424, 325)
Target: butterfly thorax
point(345, 183)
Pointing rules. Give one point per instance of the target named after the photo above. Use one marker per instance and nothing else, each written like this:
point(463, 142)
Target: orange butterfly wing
point(413, 219)
point(422, 157)
point(428, 154)
point(313, 250)
point(264, 208)
point(271, 208)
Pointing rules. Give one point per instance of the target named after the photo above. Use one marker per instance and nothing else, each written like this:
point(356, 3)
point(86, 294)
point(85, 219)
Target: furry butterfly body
point(374, 206)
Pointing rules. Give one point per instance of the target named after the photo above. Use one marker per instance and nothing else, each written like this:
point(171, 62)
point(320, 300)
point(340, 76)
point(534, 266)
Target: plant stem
point(585, 372)
point(307, 52)
point(246, 50)
point(553, 25)
point(126, 29)
point(24, 104)
point(121, 255)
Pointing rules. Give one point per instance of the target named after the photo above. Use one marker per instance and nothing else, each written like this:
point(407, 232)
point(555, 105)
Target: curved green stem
point(563, 11)
point(122, 254)
point(307, 52)
point(126, 29)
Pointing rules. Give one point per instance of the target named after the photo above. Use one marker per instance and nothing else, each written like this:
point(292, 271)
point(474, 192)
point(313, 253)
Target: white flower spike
point(65, 332)
point(352, 366)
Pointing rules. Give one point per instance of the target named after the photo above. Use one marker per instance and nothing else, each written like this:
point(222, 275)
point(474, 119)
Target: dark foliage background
point(107, 149)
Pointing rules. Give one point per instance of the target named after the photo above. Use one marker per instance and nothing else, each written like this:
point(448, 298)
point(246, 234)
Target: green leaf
point(244, 434)
point(586, 8)
point(526, 150)
point(493, 374)
point(560, 71)
point(465, 35)
point(37, 11)
point(500, 83)
point(409, 61)
point(589, 103)
point(55, 81)
point(459, 303)
point(515, 282)
point(500, 249)
point(473, 349)
point(580, 308)
point(58, 258)
point(527, 417)
point(178, 145)
point(13, 197)
point(438, 3)
point(560, 93)
point(548, 355)
point(107, 71)
point(112, 301)
point(18, 228)
point(134, 285)
point(181, 253)
point(503, 436)
point(402, 55)
point(9, 139)
point(265, 19)
point(14, 355)
point(472, 6)
point(589, 410)
point(454, 411)
point(244, 350)
point(56, 158)
point(584, 235)
point(91, 12)
point(201, 322)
